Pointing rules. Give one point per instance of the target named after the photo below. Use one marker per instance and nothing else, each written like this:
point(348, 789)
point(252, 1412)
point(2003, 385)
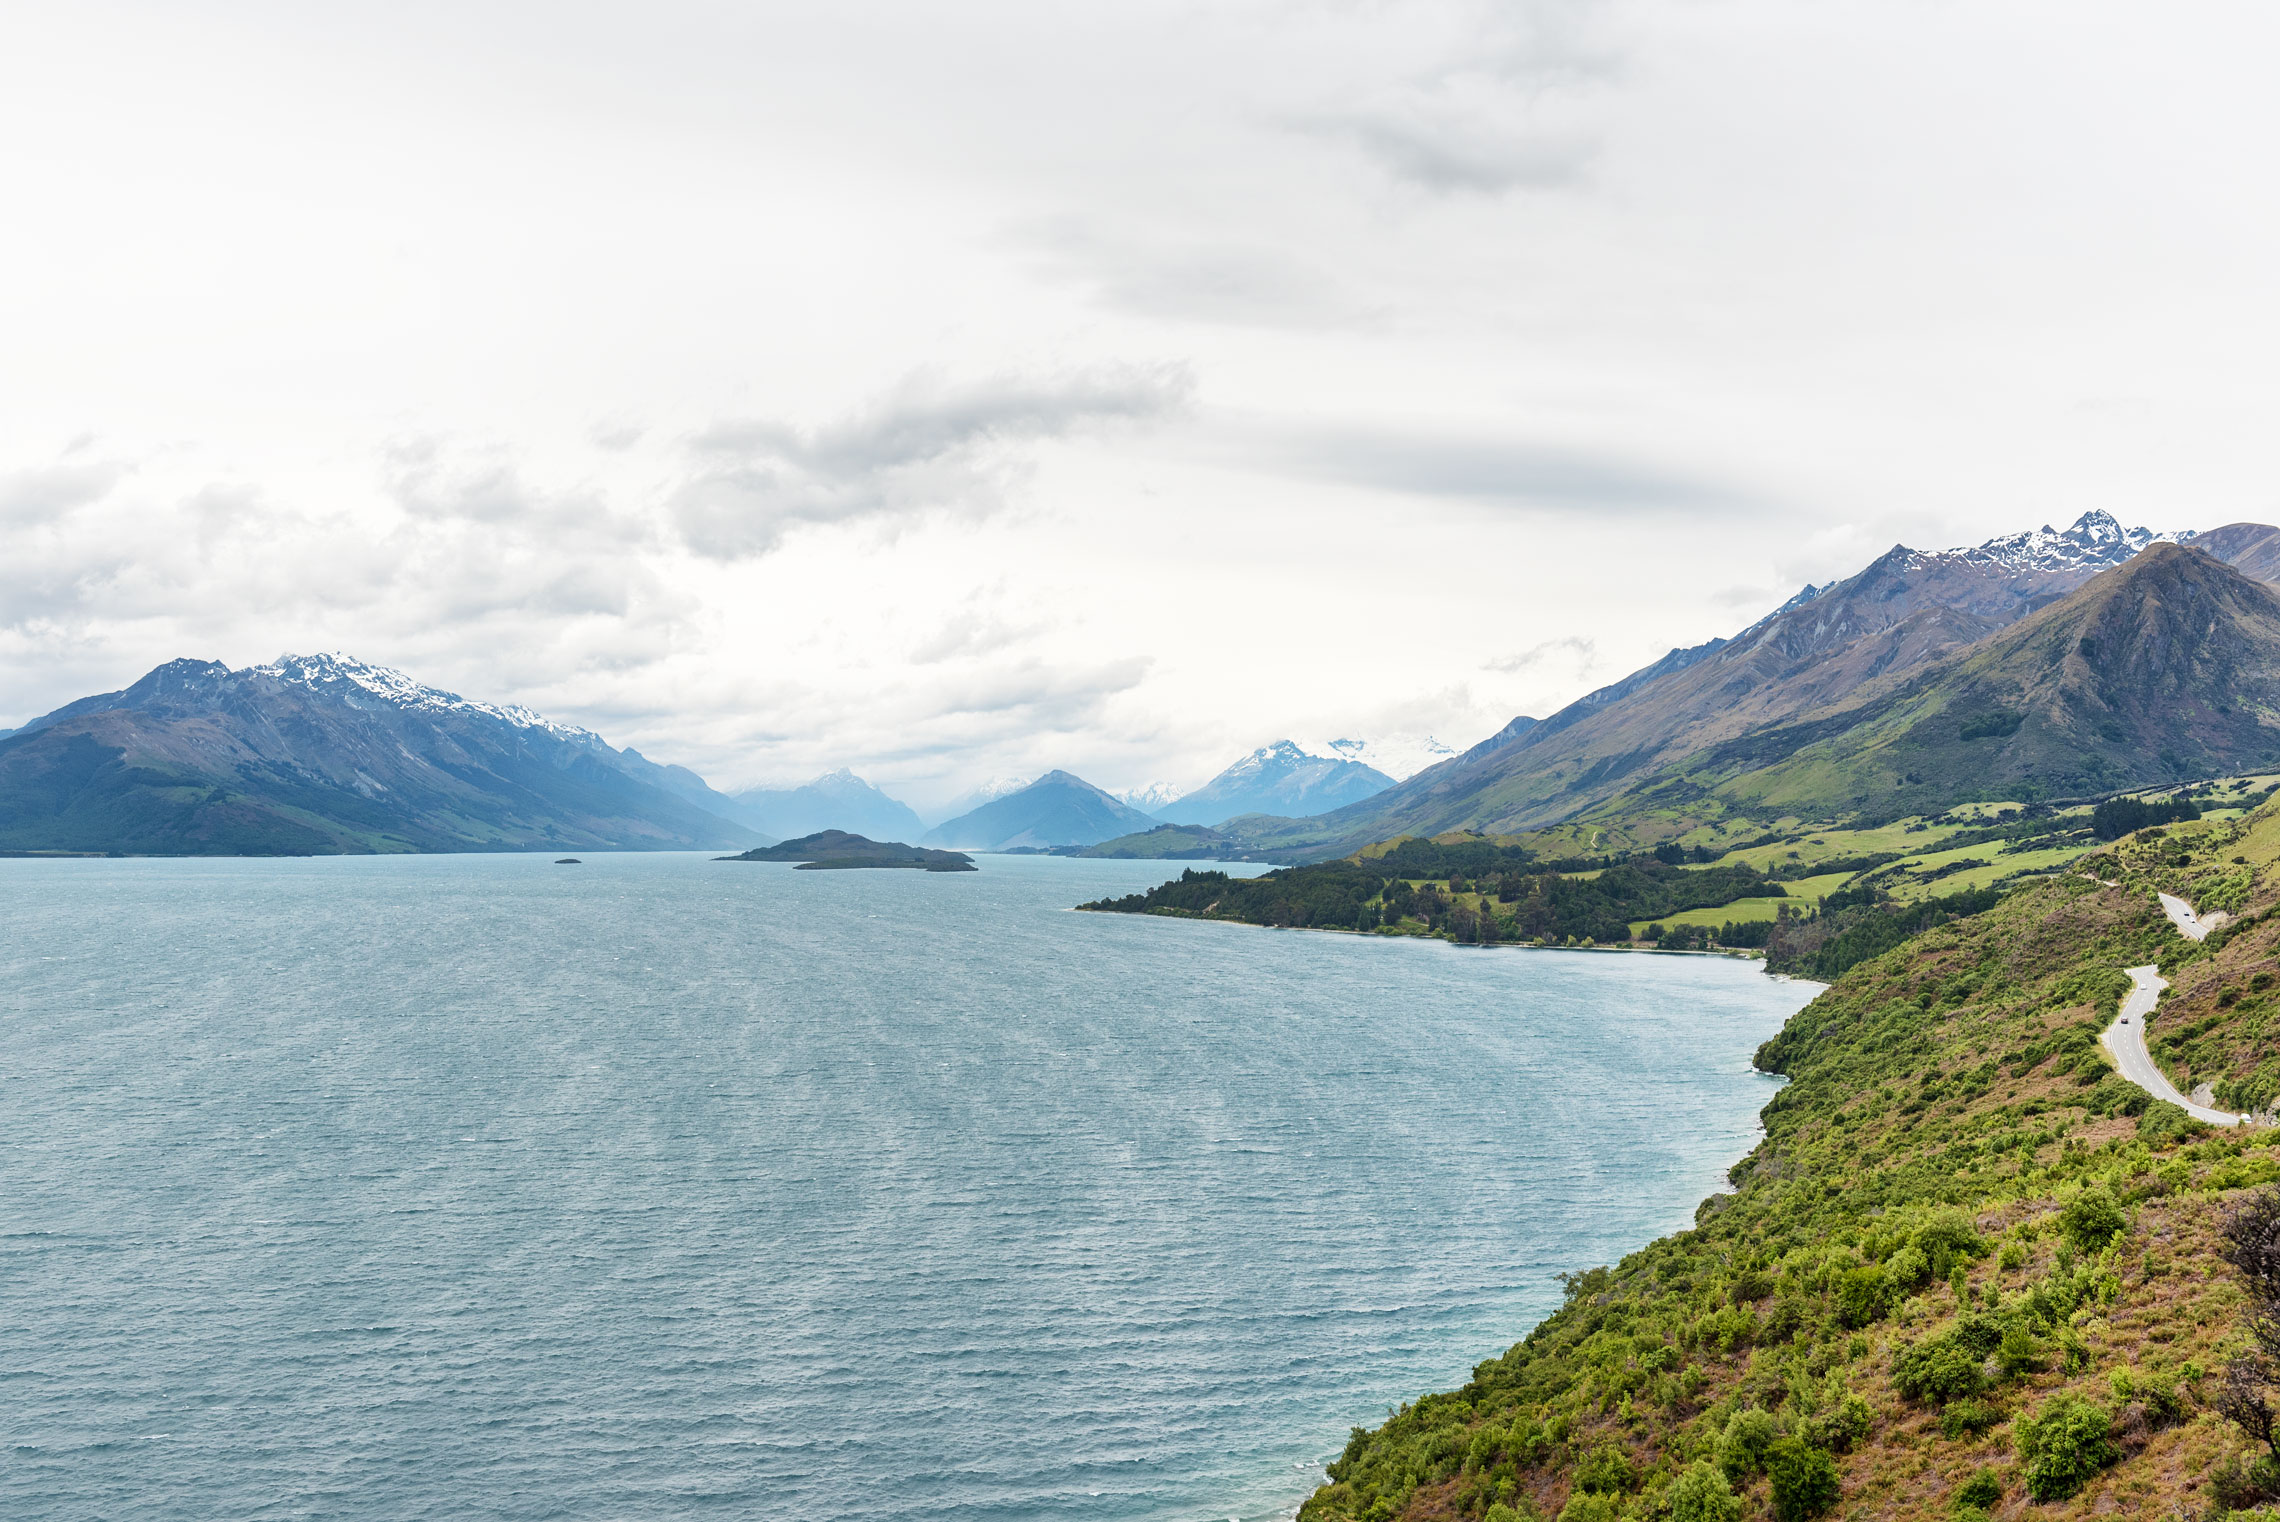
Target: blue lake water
point(477, 1187)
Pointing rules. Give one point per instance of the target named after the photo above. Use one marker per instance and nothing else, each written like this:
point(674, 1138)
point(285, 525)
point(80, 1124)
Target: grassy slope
point(1959, 1071)
point(1744, 910)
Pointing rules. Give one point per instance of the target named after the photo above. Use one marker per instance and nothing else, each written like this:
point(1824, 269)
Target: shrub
point(1742, 1447)
point(2240, 1482)
point(2019, 1353)
point(2091, 1219)
point(2163, 1123)
point(1605, 1469)
point(1804, 1480)
point(1909, 1269)
point(1701, 1494)
point(1967, 1418)
point(1783, 1320)
point(1948, 1238)
point(1501, 1513)
point(1940, 1371)
point(1861, 1296)
point(2063, 1446)
point(1584, 1506)
point(1982, 1490)
point(1841, 1425)
point(2163, 1406)
point(1751, 1284)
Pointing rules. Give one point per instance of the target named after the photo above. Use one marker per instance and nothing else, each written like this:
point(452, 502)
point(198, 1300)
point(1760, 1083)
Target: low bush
point(1701, 1494)
point(1742, 1448)
point(2092, 1219)
point(1982, 1490)
point(1804, 1479)
point(1587, 1506)
point(1967, 1418)
point(2063, 1446)
point(1605, 1470)
point(1939, 1371)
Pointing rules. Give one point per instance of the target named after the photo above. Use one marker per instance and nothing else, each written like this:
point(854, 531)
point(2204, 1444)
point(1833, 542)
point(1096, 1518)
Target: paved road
point(2125, 1038)
point(2189, 925)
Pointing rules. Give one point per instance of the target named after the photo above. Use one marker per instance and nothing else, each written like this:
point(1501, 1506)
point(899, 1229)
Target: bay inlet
point(461, 1185)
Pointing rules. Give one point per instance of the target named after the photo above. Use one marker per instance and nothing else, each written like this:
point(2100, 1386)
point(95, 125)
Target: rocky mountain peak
point(2093, 542)
point(359, 682)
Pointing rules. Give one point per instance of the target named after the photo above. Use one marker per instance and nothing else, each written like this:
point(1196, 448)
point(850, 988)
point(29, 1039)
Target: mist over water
point(478, 1187)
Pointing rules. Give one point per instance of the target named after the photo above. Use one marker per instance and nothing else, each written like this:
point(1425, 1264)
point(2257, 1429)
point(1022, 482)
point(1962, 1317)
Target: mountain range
point(1277, 779)
point(838, 800)
point(1839, 699)
point(2047, 664)
point(324, 753)
point(1057, 810)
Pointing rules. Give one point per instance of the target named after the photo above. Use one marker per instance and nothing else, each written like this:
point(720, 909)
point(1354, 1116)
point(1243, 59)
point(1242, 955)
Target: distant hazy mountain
point(1277, 779)
point(322, 754)
point(838, 801)
point(988, 792)
point(1058, 809)
point(1151, 798)
point(1398, 755)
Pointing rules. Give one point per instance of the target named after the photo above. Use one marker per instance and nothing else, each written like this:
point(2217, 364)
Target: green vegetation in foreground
point(1968, 1273)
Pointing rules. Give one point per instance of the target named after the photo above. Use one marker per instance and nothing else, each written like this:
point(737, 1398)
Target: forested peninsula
point(1812, 901)
point(1970, 1272)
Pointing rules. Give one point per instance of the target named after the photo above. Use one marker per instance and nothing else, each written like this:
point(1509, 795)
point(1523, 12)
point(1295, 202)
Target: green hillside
point(1968, 1273)
point(2161, 671)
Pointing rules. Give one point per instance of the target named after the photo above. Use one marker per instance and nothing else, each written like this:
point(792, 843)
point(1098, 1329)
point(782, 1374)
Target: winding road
point(2192, 926)
point(2125, 1038)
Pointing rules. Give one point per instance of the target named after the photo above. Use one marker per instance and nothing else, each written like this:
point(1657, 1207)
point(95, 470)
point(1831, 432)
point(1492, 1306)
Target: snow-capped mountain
point(1400, 754)
point(2094, 541)
point(313, 755)
point(1149, 797)
point(355, 682)
point(1279, 779)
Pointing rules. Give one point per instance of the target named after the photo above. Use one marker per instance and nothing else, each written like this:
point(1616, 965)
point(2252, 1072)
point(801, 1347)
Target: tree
point(2251, 1244)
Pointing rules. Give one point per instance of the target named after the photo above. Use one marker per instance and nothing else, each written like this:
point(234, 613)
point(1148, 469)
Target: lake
point(480, 1187)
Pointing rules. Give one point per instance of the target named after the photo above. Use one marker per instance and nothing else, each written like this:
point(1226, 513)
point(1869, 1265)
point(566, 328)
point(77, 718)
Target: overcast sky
point(962, 391)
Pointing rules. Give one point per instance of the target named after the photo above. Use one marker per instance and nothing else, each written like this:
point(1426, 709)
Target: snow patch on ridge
point(1151, 796)
point(334, 672)
point(1399, 756)
point(2095, 541)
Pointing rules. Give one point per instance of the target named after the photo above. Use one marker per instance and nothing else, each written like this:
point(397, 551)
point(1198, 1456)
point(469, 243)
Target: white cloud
point(928, 448)
point(966, 391)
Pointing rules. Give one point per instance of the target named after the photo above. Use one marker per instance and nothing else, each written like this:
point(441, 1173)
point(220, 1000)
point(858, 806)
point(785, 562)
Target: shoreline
point(1737, 954)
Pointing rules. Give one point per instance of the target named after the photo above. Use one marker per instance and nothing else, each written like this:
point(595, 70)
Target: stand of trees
point(2116, 817)
point(1851, 927)
point(1529, 905)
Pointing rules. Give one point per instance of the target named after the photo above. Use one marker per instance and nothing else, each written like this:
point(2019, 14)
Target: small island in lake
point(831, 849)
